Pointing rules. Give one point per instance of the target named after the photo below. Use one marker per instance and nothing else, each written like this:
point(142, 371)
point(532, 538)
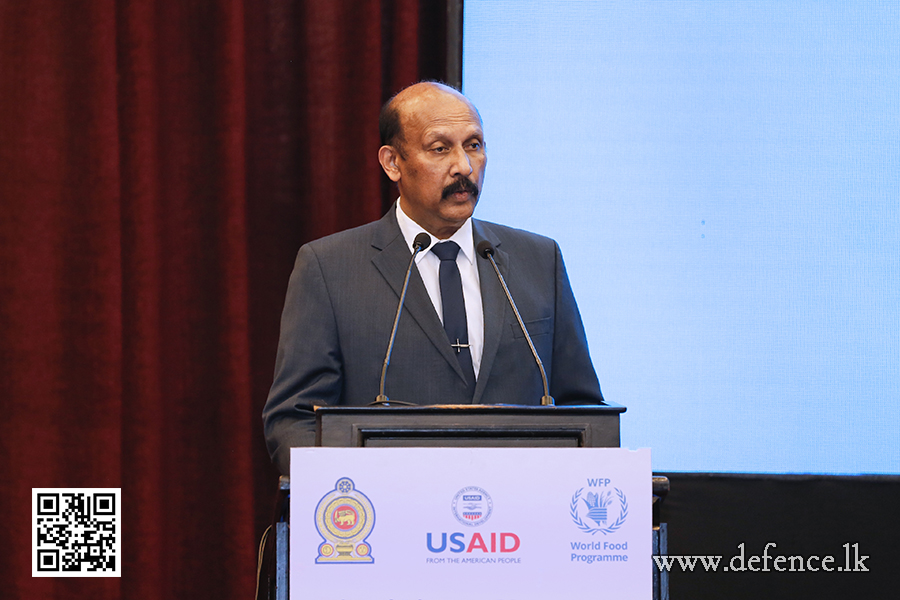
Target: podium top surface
point(472, 425)
point(509, 409)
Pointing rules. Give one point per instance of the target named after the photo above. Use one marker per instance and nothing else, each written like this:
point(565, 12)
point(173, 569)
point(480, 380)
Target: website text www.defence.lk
point(850, 560)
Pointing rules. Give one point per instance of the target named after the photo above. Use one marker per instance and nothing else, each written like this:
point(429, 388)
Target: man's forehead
point(446, 128)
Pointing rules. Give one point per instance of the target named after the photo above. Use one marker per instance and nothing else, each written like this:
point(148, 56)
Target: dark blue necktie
point(454, 307)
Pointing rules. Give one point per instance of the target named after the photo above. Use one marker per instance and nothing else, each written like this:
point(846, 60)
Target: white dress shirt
point(429, 264)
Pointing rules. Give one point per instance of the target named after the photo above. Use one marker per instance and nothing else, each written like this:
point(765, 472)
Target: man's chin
point(458, 212)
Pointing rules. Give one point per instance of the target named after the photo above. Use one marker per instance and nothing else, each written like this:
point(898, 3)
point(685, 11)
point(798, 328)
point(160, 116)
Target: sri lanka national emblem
point(344, 519)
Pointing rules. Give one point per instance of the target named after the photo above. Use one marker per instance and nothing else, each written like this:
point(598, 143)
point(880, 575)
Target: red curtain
point(160, 163)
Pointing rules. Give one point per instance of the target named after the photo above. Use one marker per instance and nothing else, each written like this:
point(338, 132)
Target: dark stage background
point(160, 164)
point(710, 514)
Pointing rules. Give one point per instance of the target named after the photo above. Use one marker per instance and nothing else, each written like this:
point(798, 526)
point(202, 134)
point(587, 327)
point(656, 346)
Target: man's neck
point(442, 231)
point(462, 235)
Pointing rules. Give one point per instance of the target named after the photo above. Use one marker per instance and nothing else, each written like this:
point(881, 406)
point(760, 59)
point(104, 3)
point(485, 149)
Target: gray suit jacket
point(340, 306)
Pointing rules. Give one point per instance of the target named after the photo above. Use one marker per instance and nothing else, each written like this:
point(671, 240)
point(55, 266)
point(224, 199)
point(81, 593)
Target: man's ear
point(387, 156)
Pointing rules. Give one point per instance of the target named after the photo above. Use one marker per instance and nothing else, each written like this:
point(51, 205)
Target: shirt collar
point(463, 236)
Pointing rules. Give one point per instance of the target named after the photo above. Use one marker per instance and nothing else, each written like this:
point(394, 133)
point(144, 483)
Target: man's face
point(439, 168)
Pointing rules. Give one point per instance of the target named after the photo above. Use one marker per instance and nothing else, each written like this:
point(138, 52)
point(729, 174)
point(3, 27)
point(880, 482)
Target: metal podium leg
point(282, 554)
point(660, 547)
point(282, 539)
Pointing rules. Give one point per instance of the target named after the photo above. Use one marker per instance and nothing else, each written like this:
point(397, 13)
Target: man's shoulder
point(507, 237)
point(350, 240)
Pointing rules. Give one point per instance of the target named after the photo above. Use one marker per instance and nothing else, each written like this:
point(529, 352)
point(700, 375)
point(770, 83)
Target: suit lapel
point(392, 261)
point(493, 302)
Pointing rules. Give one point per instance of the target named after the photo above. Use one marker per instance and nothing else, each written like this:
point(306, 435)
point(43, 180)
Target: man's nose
point(461, 164)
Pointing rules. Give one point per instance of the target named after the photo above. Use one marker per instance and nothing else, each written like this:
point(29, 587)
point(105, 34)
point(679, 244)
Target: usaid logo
point(472, 506)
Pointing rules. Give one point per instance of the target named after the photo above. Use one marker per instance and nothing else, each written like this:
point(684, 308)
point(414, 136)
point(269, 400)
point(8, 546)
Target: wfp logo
point(605, 511)
point(344, 518)
point(472, 506)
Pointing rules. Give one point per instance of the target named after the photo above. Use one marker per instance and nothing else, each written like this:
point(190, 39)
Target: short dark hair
point(389, 124)
point(389, 127)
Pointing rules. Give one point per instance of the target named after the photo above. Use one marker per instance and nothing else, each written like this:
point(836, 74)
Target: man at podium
point(458, 340)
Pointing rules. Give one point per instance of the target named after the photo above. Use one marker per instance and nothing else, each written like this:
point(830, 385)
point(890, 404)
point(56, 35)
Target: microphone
point(486, 250)
point(422, 241)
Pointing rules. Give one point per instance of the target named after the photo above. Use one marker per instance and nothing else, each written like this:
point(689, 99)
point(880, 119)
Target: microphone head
point(484, 248)
point(422, 241)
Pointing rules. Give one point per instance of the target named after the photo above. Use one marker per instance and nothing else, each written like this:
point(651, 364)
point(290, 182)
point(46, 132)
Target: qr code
point(76, 532)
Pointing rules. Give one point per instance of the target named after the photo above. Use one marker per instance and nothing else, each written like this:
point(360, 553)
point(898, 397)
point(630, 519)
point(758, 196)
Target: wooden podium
point(478, 426)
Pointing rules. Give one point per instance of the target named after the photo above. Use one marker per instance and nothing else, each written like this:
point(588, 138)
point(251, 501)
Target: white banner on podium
point(474, 523)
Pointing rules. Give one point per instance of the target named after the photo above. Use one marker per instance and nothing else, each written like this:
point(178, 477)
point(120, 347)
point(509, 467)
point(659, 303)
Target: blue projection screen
point(724, 181)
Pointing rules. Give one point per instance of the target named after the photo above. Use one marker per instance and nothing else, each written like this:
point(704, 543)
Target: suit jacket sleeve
point(573, 379)
point(308, 365)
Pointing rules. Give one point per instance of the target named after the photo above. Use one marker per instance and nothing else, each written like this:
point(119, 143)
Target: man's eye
point(439, 149)
point(475, 145)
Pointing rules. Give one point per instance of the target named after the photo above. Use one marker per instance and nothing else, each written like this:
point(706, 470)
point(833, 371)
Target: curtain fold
point(160, 164)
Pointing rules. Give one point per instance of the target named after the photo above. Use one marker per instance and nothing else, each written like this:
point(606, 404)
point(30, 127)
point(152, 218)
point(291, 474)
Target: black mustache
point(460, 185)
